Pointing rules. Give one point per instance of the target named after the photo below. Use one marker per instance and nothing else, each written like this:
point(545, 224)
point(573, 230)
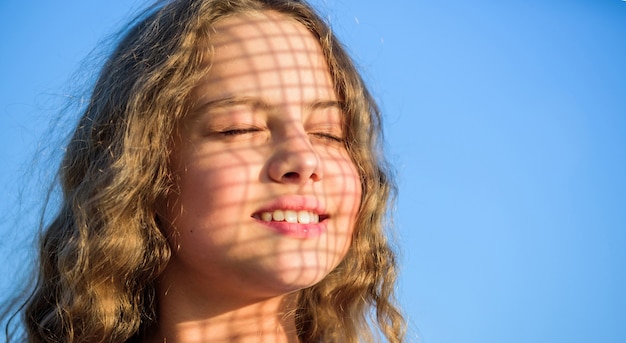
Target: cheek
point(209, 188)
point(349, 188)
point(346, 191)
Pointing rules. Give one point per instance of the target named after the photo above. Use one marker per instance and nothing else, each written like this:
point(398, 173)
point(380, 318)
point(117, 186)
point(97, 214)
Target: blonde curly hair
point(100, 256)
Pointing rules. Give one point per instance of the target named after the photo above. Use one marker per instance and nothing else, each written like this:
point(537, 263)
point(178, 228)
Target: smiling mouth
point(291, 216)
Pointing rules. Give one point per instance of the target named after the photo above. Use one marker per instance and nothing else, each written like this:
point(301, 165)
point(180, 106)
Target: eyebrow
point(327, 104)
point(259, 103)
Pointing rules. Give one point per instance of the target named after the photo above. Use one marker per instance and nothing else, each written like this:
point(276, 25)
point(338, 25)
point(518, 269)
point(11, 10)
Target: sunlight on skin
point(264, 134)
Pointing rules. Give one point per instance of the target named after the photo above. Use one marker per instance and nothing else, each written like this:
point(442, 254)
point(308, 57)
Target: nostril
point(291, 176)
point(292, 163)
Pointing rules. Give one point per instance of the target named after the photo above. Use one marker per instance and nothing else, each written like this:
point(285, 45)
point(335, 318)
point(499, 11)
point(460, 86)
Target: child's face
point(264, 140)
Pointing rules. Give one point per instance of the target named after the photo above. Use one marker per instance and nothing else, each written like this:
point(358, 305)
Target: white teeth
point(291, 216)
point(302, 217)
point(266, 216)
point(278, 215)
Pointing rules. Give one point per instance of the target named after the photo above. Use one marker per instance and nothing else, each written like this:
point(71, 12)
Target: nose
point(295, 161)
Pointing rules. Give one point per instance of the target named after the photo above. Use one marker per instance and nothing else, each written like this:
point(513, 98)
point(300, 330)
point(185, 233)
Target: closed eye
point(235, 132)
point(328, 136)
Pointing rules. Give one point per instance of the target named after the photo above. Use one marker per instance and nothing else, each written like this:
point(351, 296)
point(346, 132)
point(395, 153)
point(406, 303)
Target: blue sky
point(505, 120)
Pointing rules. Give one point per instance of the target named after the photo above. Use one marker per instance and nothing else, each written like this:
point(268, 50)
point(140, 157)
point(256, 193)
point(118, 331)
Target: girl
point(224, 184)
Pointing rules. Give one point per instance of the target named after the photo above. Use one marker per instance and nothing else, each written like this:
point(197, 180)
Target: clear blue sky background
point(506, 121)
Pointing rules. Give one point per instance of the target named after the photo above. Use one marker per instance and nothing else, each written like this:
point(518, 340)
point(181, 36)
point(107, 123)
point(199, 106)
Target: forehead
point(268, 32)
point(265, 54)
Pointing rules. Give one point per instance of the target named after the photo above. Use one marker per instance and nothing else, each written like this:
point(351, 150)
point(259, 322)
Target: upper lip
point(293, 203)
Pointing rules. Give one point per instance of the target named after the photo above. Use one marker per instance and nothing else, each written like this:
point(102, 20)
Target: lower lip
point(295, 230)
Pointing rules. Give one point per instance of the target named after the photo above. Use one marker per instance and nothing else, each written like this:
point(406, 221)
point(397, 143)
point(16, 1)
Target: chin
point(296, 277)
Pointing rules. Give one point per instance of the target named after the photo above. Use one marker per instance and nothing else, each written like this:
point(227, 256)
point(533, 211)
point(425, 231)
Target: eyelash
point(319, 135)
point(235, 132)
point(328, 136)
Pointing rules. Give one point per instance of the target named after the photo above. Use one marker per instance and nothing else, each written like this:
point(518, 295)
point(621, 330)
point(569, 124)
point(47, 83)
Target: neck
point(185, 317)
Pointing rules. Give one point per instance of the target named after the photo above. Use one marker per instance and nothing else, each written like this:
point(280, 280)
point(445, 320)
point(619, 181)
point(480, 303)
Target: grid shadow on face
point(267, 193)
